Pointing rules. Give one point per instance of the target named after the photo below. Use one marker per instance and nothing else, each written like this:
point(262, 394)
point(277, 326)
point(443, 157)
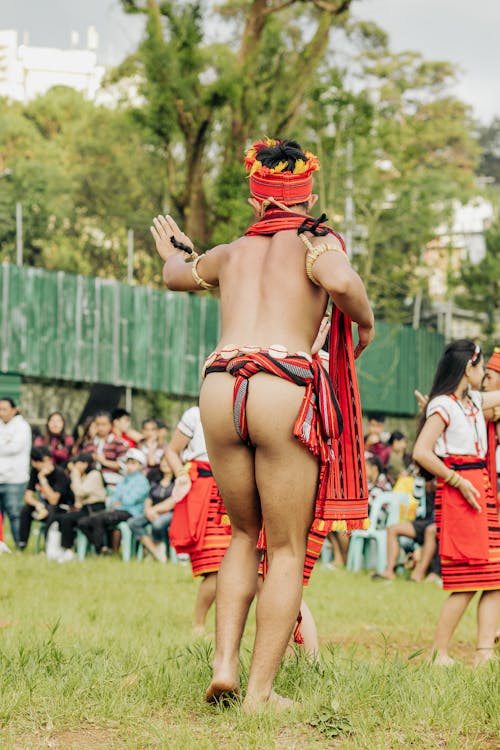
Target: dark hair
point(285, 150)
point(451, 369)
point(161, 424)
point(48, 433)
point(119, 413)
point(9, 401)
point(83, 433)
point(151, 420)
point(396, 435)
point(84, 457)
point(39, 453)
point(375, 461)
point(377, 416)
point(102, 414)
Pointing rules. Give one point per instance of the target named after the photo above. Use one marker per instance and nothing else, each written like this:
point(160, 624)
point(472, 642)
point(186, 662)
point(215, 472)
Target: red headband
point(494, 361)
point(279, 182)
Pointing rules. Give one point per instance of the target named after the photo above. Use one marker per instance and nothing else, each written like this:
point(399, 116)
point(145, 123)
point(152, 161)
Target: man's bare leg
point(204, 600)
point(428, 552)
point(233, 466)
point(450, 616)
point(488, 615)
point(286, 475)
point(405, 528)
point(287, 478)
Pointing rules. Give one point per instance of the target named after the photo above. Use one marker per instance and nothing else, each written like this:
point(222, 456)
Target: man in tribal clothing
point(271, 443)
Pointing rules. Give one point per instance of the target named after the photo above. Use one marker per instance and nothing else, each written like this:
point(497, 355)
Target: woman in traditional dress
point(197, 527)
point(452, 444)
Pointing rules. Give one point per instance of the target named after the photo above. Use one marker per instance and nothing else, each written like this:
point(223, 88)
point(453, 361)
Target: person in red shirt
point(56, 440)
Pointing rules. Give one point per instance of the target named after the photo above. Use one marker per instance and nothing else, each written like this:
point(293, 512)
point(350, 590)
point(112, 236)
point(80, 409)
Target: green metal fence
point(399, 360)
point(67, 327)
point(59, 325)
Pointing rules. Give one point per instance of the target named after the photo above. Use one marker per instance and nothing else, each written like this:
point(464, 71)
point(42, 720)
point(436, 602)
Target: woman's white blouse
point(465, 427)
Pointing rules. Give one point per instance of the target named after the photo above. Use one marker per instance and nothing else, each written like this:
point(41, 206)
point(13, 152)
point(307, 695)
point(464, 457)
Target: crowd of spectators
point(113, 474)
point(109, 475)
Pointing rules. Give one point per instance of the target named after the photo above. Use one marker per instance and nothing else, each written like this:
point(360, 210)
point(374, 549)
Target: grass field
point(99, 655)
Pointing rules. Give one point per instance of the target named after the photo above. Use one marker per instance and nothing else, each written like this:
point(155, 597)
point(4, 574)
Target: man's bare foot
point(484, 655)
point(222, 691)
point(198, 630)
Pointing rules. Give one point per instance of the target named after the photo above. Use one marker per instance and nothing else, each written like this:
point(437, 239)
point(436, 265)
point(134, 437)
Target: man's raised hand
point(163, 229)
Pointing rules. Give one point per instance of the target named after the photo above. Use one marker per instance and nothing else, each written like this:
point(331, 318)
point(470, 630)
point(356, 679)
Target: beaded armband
point(196, 276)
point(313, 253)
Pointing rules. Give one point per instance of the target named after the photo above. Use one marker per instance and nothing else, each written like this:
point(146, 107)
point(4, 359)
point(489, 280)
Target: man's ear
point(256, 205)
point(312, 200)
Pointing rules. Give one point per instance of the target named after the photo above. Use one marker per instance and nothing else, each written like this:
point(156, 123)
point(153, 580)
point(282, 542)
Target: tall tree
point(260, 81)
point(479, 286)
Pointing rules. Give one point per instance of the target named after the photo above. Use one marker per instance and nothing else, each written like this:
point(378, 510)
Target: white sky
point(461, 31)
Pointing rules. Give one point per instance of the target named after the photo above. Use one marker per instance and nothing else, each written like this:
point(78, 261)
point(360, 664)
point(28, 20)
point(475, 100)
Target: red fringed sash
point(350, 479)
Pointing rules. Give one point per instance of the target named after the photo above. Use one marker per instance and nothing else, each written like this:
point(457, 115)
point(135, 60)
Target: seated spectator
point(90, 497)
point(56, 440)
point(126, 501)
point(423, 532)
point(374, 444)
point(399, 462)
point(48, 493)
point(120, 419)
point(158, 511)
point(149, 445)
point(86, 434)
point(375, 478)
point(107, 449)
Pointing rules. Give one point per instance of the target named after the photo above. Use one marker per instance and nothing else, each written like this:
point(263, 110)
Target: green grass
point(99, 655)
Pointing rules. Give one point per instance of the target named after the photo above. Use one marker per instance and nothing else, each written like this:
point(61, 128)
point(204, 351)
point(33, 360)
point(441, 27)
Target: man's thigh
point(286, 471)
point(232, 461)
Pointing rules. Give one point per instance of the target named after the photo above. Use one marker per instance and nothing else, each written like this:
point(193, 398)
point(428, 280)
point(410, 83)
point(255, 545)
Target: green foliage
point(479, 285)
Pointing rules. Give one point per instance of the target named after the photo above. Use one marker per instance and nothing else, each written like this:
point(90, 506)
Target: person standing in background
point(15, 446)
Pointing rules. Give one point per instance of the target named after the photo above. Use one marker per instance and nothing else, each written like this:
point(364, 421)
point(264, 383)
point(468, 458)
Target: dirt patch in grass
point(70, 739)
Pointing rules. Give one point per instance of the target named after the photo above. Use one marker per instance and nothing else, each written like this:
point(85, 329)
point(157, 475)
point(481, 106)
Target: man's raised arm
point(183, 271)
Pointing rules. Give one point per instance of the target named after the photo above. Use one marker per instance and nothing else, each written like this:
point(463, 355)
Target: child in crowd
point(56, 440)
point(126, 501)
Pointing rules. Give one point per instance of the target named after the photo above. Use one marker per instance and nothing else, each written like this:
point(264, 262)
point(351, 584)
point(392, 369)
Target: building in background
point(27, 71)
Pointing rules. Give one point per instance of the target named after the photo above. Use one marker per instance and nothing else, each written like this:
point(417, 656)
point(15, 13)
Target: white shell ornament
point(278, 351)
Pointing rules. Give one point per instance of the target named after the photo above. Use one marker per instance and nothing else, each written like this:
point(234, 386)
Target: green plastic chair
point(360, 545)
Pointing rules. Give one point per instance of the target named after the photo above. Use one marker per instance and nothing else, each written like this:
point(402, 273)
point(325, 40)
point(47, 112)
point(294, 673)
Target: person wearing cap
point(126, 501)
point(275, 422)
